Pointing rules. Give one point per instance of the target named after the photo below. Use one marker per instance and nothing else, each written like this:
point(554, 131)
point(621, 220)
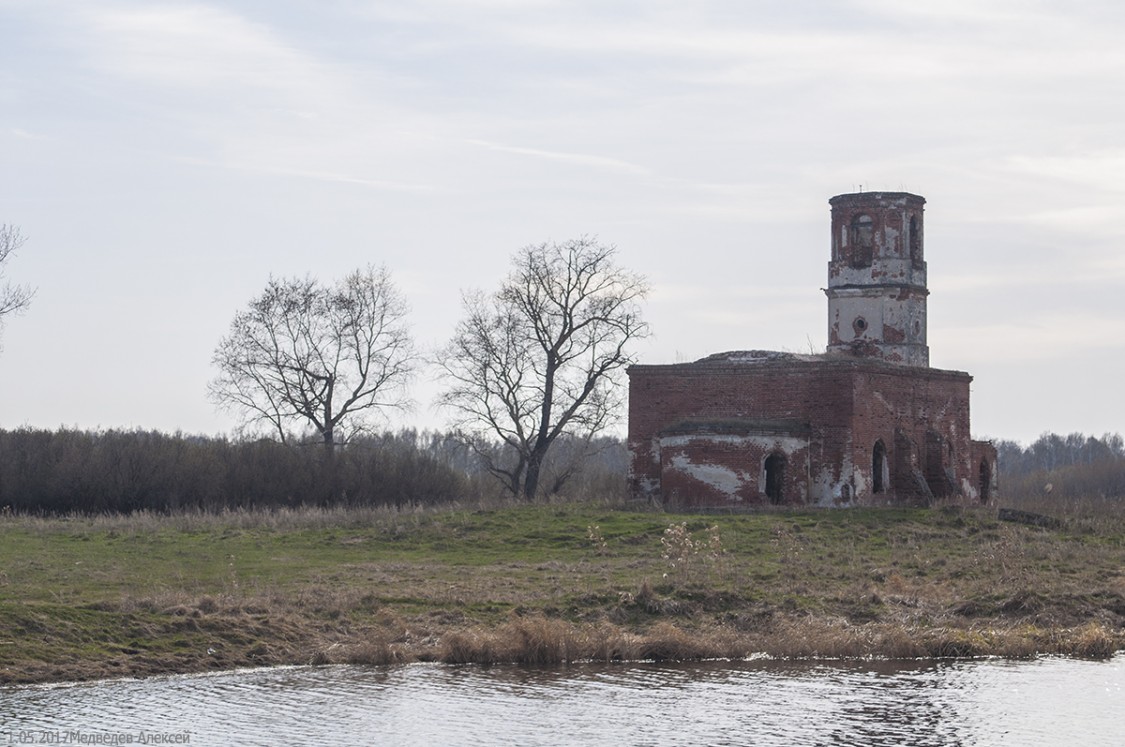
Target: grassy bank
point(106, 596)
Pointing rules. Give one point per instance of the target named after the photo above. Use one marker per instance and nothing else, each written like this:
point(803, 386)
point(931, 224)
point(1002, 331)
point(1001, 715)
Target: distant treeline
point(1061, 468)
point(121, 471)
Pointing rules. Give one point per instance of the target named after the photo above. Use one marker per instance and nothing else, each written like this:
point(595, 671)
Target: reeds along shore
point(548, 583)
point(545, 641)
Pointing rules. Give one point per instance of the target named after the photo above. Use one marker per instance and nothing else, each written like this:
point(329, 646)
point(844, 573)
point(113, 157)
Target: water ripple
point(1045, 702)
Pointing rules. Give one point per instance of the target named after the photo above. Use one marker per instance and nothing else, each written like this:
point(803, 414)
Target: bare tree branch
point(540, 357)
point(305, 355)
point(13, 298)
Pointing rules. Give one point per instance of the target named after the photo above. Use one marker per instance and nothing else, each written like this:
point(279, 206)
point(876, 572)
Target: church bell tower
point(877, 278)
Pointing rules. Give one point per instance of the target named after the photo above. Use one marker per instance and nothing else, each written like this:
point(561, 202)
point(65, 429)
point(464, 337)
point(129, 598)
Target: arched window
point(862, 240)
point(879, 468)
point(915, 237)
point(775, 478)
point(985, 481)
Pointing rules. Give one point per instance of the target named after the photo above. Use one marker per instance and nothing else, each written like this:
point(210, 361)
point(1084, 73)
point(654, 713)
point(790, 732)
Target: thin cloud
point(581, 159)
point(704, 138)
point(198, 46)
point(1075, 272)
point(976, 12)
point(22, 134)
point(681, 294)
point(1049, 337)
point(324, 176)
point(1101, 170)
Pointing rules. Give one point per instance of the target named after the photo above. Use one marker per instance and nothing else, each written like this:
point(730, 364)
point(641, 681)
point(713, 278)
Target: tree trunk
point(329, 480)
point(531, 477)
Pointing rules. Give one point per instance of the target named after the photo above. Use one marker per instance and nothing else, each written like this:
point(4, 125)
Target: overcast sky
point(165, 158)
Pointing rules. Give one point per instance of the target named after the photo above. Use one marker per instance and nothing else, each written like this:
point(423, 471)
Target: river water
point(1052, 701)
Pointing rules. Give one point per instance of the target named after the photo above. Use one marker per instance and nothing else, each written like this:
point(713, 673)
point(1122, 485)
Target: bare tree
point(13, 298)
point(540, 358)
point(306, 355)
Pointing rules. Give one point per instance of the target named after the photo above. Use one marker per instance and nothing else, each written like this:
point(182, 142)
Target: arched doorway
point(936, 464)
point(879, 475)
point(775, 478)
point(985, 481)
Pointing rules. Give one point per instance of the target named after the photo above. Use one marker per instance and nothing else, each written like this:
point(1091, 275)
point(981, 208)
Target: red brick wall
point(924, 411)
point(728, 470)
point(845, 404)
point(662, 396)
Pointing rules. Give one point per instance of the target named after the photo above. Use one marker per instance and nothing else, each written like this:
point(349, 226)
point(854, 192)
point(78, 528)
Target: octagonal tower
point(877, 278)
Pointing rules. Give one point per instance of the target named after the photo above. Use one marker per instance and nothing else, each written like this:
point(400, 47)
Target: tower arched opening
point(862, 240)
point(914, 234)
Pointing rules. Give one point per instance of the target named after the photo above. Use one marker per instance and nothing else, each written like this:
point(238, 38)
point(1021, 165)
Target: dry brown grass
point(273, 519)
point(524, 640)
point(550, 642)
point(257, 632)
point(543, 641)
point(1093, 641)
point(535, 585)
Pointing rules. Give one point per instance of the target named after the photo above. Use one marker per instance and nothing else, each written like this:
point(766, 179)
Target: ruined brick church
point(867, 422)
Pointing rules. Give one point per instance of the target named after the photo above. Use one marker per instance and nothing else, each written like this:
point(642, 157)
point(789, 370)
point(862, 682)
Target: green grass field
point(134, 595)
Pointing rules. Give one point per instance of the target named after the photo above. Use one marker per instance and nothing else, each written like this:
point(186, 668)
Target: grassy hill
point(141, 594)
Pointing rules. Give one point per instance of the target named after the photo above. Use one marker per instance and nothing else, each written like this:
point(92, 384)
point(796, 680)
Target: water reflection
point(1046, 702)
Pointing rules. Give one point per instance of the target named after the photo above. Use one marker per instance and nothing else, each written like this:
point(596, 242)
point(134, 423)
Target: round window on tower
point(860, 326)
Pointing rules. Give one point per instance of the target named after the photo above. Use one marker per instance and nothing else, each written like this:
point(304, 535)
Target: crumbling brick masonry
point(868, 422)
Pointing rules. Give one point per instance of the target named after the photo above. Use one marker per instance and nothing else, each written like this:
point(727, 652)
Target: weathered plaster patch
point(723, 479)
point(787, 444)
point(827, 491)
